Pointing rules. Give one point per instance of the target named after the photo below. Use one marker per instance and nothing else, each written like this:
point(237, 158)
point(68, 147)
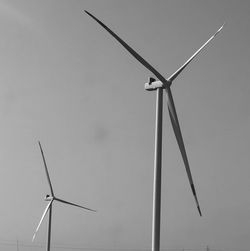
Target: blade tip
point(199, 211)
point(219, 30)
point(92, 210)
point(40, 146)
point(87, 12)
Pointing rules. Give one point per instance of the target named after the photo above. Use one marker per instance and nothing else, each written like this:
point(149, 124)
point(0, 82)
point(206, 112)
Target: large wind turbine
point(159, 85)
point(51, 198)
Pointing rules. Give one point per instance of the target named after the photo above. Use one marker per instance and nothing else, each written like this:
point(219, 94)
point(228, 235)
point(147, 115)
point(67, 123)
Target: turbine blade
point(130, 50)
point(40, 222)
point(175, 75)
point(46, 169)
point(72, 204)
point(178, 135)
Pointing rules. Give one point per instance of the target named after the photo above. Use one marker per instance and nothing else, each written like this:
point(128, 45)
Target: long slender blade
point(40, 222)
point(175, 75)
point(72, 204)
point(46, 169)
point(130, 50)
point(178, 135)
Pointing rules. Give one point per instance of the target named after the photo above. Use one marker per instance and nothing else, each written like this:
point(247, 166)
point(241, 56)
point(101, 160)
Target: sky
point(66, 82)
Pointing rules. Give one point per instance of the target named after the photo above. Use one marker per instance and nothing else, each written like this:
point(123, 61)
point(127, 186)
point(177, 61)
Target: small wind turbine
point(163, 83)
point(51, 198)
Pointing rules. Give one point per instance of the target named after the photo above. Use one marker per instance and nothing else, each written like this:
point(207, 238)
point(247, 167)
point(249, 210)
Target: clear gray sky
point(66, 82)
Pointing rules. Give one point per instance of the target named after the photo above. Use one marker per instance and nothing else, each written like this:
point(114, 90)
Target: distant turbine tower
point(51, 198)
point(159, 86)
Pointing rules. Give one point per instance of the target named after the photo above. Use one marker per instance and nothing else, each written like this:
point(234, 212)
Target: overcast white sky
point(66, 82)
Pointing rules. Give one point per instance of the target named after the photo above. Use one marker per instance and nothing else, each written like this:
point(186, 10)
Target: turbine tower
point(51, 198)
point(158, 86)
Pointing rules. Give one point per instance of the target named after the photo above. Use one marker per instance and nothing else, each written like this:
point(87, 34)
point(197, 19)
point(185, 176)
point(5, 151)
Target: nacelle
point(153, 85)
point(48, 197)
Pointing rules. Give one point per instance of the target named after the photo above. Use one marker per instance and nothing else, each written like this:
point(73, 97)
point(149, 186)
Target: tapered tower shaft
point(49, 228)
point(156, 223)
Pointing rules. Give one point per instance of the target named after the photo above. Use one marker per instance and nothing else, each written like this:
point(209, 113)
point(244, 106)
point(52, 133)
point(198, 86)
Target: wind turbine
point(159, 85)
point(51, 198)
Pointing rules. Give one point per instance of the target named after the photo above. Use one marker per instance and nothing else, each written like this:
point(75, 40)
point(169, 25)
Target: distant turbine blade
point(72, 204)
point(178, 135)
point(173, 77)
point(130, 50)
point(40, 222)
point(46, 169)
